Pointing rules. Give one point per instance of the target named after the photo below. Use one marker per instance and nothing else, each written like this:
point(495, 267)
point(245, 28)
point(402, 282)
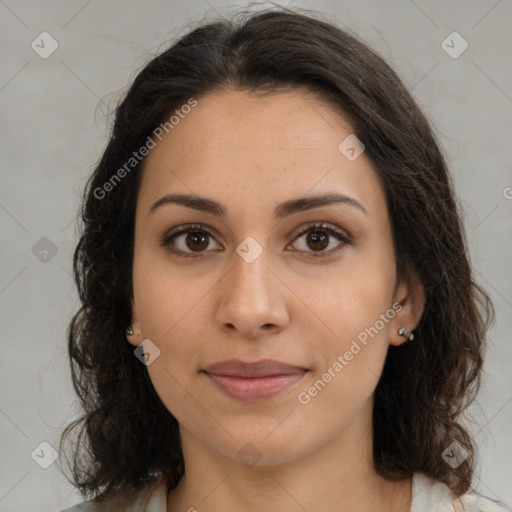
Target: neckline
point(427, 494)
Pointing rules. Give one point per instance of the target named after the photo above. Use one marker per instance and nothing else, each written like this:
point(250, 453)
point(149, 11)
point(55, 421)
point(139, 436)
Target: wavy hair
point(125, 437)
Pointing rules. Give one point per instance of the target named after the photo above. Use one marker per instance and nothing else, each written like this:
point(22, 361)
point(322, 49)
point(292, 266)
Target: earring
point(129, 330)
point(409, 335)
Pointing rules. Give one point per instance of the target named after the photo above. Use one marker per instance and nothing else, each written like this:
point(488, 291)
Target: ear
point(410, 295)
point(136, 338)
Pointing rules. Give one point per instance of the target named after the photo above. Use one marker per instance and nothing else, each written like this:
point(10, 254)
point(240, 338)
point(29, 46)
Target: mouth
point(253, 382)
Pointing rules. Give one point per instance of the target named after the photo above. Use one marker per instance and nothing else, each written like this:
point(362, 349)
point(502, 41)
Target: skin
point(250, 154)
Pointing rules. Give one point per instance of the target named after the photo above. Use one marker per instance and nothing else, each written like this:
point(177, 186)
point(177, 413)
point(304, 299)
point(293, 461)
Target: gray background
point(54, 129)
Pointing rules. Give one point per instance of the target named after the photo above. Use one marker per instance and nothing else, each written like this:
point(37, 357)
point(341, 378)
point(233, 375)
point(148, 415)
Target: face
point(311, 285)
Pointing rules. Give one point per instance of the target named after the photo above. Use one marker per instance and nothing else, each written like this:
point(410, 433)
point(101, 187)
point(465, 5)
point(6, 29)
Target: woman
point(278, 306)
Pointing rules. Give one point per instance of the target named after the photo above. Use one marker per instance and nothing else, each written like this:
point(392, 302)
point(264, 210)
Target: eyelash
point(339, 235)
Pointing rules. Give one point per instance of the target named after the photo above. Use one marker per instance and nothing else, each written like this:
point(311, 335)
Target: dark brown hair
point(126, 437)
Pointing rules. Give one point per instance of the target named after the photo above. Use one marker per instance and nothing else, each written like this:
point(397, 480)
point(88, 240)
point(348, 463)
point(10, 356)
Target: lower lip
point(256, 388)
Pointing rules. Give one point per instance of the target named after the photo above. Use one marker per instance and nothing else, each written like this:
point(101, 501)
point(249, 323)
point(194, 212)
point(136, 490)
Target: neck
point(337, 476)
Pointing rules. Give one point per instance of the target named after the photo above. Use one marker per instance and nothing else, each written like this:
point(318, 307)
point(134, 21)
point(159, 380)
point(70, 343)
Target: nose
point(253, 298)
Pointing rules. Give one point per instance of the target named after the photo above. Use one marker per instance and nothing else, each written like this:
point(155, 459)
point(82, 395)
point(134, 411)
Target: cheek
point(163, 293)
point(168, 307)
point(171, 315)
point(350, 356)
point(353, 297)
point(170, 312)
point(355, 309)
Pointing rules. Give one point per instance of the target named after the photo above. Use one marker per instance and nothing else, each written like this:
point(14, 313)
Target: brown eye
point(194, 240)
point(318, 237)
point(188, 240)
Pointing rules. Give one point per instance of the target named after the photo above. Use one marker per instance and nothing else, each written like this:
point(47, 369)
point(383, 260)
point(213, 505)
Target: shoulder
point(151, 498)
point(85, 506)
point(429, 494)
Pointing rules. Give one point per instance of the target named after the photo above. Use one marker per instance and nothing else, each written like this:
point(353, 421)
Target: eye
point(318, 238)
point(197, 240)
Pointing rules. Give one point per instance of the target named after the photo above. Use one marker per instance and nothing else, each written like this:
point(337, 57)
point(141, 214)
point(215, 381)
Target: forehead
point(249, 150)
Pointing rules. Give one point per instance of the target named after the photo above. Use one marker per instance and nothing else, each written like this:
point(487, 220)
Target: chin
point(263, 448)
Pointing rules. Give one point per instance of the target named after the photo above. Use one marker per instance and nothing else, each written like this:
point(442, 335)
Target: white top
point(428, 495)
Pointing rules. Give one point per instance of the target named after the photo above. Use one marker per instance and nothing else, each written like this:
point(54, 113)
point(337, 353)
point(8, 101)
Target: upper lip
point(262, 368)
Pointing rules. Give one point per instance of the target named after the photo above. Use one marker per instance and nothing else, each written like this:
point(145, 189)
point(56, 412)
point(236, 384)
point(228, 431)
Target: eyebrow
point(282, 210)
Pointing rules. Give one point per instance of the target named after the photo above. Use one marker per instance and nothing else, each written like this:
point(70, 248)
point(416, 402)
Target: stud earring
point(129, 330)
point(403, 332)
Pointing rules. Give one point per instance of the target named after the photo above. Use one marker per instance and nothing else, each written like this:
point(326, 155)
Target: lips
point(253, 382)
point(263, 368)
